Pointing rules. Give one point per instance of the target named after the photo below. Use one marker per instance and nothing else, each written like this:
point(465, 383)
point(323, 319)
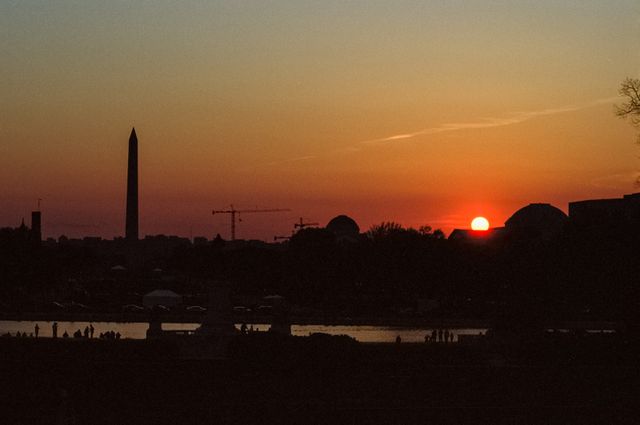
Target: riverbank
point(320, 381)
point(196, 317)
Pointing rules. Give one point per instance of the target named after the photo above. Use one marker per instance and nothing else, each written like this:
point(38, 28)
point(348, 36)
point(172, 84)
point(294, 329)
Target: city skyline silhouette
point(420, 113)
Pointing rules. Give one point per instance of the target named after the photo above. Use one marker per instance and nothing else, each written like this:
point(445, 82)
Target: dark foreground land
point(321, 380)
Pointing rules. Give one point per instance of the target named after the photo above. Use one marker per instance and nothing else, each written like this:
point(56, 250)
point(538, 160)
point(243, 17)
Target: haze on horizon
point(420, 112)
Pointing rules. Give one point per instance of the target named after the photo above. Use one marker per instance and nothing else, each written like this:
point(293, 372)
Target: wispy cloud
point(513, 118)
point(489, 122)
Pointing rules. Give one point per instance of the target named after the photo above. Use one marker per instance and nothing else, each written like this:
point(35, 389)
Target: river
point(138, 330)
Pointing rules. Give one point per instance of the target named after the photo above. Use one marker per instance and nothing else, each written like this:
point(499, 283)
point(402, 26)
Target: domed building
point(536, 221)
point(344, 228)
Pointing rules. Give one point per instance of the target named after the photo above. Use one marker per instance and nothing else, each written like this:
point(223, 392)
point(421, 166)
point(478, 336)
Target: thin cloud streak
point(515, 118)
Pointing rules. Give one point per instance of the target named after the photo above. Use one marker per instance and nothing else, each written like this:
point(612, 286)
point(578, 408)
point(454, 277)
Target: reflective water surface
point(138, 330)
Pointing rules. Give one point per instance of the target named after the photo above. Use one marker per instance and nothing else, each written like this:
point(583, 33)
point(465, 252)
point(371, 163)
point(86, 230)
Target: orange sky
point(420, 113)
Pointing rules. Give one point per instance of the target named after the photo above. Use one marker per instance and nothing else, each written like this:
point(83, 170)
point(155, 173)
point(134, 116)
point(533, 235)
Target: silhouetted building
point(344, 228)
point(478, 237)
point(36, 226)
point(606, 214)
point(536, 221)
point(200, 240)
point(131, 228)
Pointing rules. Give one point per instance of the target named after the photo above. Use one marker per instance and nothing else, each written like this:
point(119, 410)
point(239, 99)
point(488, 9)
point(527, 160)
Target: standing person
point(446, 335)
point(54, 329)
point(439, 335)
point(86, 332)
point(91, 330)
point(434, 335)
point(37, 330)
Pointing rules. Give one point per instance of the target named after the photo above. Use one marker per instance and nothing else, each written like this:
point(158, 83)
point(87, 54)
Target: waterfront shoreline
point(401, 322)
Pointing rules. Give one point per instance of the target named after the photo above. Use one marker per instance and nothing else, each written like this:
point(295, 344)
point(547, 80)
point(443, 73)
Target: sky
point(418, 112)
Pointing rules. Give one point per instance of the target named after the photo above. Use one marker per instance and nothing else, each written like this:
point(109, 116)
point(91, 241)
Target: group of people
point(440, 335)
point(437, 335)
point(109, 335)
point(244, 330)
point(87, 334)
point(18, 335)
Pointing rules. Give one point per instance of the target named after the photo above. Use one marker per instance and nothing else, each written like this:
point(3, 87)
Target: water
point(139, 330)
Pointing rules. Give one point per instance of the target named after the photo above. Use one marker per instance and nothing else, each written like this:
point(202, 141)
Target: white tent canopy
point(161, 297)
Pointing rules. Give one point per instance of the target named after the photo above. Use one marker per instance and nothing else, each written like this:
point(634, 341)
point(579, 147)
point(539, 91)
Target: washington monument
point(131, 229)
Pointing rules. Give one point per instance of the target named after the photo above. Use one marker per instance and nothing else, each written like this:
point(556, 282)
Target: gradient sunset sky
point(420, 112)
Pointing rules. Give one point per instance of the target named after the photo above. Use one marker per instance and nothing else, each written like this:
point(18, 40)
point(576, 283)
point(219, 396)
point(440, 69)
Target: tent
point(163, 297)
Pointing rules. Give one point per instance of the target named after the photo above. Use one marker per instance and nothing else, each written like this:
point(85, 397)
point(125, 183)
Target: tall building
point(131, 229)
point(606, 213)
point(36, 226)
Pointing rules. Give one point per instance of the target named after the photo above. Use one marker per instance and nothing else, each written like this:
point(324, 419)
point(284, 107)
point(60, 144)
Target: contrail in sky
point(513, 118)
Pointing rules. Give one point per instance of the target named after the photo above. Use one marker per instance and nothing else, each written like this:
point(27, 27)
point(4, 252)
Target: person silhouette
point(91, 330)
point(446, 335)
point(86, 331)
point(36, 329)
point(54, 329)
point(398, 339)
point(439, 335)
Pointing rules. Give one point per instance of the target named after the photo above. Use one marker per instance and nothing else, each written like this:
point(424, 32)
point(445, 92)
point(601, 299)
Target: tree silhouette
point(630, 90)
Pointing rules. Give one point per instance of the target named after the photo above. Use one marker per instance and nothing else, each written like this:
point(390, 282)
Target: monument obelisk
point(131, 228)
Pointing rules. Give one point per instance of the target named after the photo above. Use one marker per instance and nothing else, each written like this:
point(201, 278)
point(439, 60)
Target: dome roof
point(343, 226)
point(542, 217)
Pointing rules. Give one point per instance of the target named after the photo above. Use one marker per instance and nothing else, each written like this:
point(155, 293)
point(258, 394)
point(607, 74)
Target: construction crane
point(301, 225)
point(234, 212)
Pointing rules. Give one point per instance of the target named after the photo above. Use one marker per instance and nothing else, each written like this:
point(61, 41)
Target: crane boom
point(301, 225)
point(234, 212)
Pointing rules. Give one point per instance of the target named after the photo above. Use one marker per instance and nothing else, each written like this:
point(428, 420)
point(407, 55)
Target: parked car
point(161, 308)
point(265, 309)
point(58, 305)
point(132, 308)
point(196, 308)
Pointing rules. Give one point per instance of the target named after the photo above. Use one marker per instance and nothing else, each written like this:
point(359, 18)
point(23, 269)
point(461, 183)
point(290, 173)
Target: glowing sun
point(480, 223)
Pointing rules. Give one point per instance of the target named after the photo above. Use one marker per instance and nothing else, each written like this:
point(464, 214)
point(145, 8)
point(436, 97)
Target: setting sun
point(480, 223)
